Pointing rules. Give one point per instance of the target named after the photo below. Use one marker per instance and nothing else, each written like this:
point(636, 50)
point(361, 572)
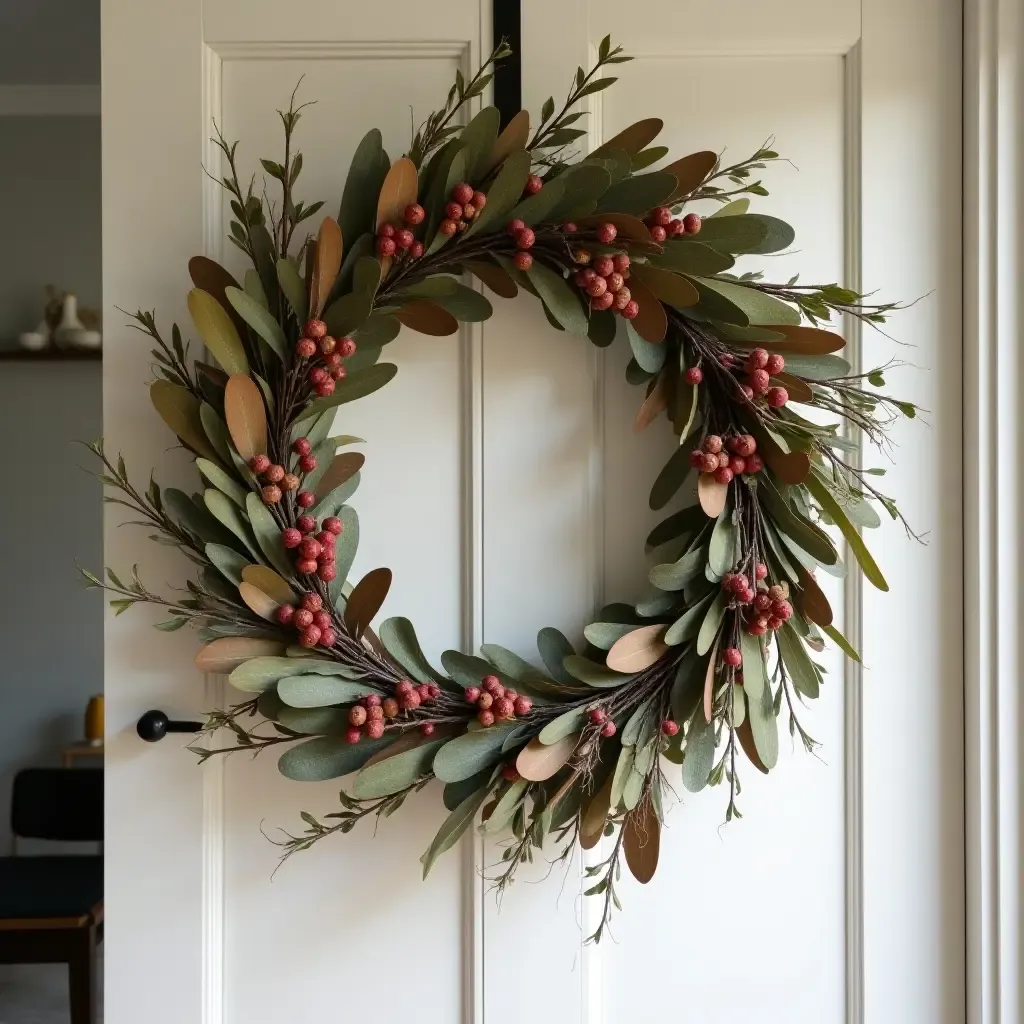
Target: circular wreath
point(699, 668)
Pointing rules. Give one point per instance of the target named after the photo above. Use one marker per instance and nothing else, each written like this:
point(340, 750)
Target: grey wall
point(50, 212)
point(56, 42)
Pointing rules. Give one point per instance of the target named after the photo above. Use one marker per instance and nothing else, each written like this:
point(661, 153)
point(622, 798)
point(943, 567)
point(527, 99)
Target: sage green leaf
point(732, 235)
point(463, 303)
point(692, 258)
point(328, 757)
point(217, 331)
point(583, 184)
point(477, 140)
point(559, 297)
point(601, 327)
point(470, 753)
point(268, 535)
point(647, 157)
point(756, 306)
point(687, 626)
point(536, 208)
point(467, 670)
point(699, 753)
point(504, 193)
point(554, 648)
point(618, 162)
point(593, 674)
point(779, 234)
point(196, 520)
point(455, 792)
point(253, 288)
point(451, 169)
point(812, 539)
point(654, 602)
point(711, 625)
point(798, 663)
point(216, 476)
point(638, 194)
point(258, 674)
point(374, 332)
point(564, 725)
point(631, 731)
point(754, 681)
point(506, 807)
point(228, 561)
point(818, 367)
point(688, 686)
point(345, 548)
point(395, 773)
point(623, 768)
point(672, 476)
point(688, 520)
point(309, 721)
point(260, 320)
point(722, 549)
point(294, 288)
point(334, 500)
point(732, 209)
point(835, 512)
point(675, 575)
point(400, 641)
point(319, 691)
point(841, 642)
point(366, 174)
point(454, 825)
point(764, 727)
point(649, 357)
point(509, 663)
point(357, 385)
point(217, 431)
point(604, 634)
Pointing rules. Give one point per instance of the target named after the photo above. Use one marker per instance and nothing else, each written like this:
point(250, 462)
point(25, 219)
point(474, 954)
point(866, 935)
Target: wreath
point(697, 671)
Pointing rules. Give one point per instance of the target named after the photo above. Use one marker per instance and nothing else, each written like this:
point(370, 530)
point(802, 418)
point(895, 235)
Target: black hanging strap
point(508, 75)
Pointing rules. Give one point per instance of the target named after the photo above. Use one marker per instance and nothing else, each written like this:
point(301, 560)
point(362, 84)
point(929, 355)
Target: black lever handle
point(155, 725)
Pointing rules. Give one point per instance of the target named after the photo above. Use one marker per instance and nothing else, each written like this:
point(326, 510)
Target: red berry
point(315, 329)
point(307, 463)
point(310, 548)
point(754, 464)
point(615, 281)
point(414, 214)
point(479, 200)
point(305, 523)
point(692, 223)
point(462, 193)
point(404, 238)
point(273, 474)
point(403, 686)
point(597, 287)
point(271, 494)
point(306, 499)
point(485, 718)
point(775, 364)
point(435, 691)
point(305, 348)
point(353, 735)
point(782, 610)
point(533, 185)
point(485, 700)
point(285, 614)
point(327, 572)
point(732, 657)
point(489, 683)
point(357, 715)
point(694, 375)
point(306, 566)
point(453, 211)
point(524, 238)
point(337, 372)
point(758, 381)
point(581, 256)
point(723, 475)
point(312, 602)
point(760, 571)
point(510, 773)
point(471, 693)
point(669, 728)
point(675, 228)
point(410, 701)
point(658, 233)
point(620, 261)
point(424, 691)
point(757, 628)
point(325, 388)
point(746, 444)
point(322, 619)
point(737, 465)
point(570, 227)
point(317, 375)
point(304, 618)
point(375, 729)
point(608, 729)
point(697, 458)
point(389, 706)
point(757, 359)
point(598, 716)
point(302, 446)
point(777, 397)
point(727, 359)
point(762, 602)
point(427, 728)
point(327, 345)
point(630, 310)
point(748, 392)
point(371, 700)
point(259, 464)
point(448, 227)
point(606, 233)
point(522, 260)
point(660, 215)
point(291, 537)
point(603, 301)
point(310, 636)
point(386, 247)
point(333, 525)
point(346, 347)
point(603, 266)
point(713, 444)
point(386, 231)
point(513, 227)
point(503, 708)
point(416, 250)
point(709, 463)
point(523, 705)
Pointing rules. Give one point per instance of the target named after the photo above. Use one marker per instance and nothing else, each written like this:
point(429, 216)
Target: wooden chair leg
point(82, 977)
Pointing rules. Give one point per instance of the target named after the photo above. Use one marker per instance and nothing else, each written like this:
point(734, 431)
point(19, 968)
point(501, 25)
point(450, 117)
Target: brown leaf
point(495, 277)
point(711, 494)
point(225, 654)
point(343, 467)
point(514, 136)
point(636, 137)
point(271, 583)
point(641, 841)
point(213, 278)
point(790, 467)
point(637, 650)
point(365, 600)
point(690, 171)
point(628, 227)
point(656, 402)
point(709, 682)
point(746, 737)
point(810, 341)
point(245, 416)
point(262, 604)
point(326, 264)
point(813, 602)
point(423, 316)
point(797, 389)
point(537, 762)
point(594, 816)
point(398, 191)
point(651, 323)
point(672, 288)
point(179, 409)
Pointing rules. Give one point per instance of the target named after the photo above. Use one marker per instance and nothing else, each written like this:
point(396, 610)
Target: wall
point(49, 42)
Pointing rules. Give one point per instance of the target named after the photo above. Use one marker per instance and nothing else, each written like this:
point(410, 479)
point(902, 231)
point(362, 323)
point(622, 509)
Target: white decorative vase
point(70, 331)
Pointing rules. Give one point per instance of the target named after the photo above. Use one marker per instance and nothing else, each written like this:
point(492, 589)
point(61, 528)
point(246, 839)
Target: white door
point(506, 491)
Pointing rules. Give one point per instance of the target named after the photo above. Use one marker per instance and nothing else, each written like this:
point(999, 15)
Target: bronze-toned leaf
point(746, 737)
point(691, 171)
point(423, 316)
point(810, 341)
point(398, 191)
point(326, 264)
point(812, 600)
point(709, 683)
point(496, 278)
point(711, 495)
point(211, 277)
point(797, 389)
point(637, 650)
point(245, 416)
point(595, 815)
point(179, 409)
point(514, 136)
point(343, 467)
point(633, 139)
point(365, 600)
point(641, 841)
point(271, 583)
point(217, 330)
point(629, 228)
point(225, 654)
point(672, 288)
point(656, 402)
point(537, 761)
point(651, 322)
point(262, 604)
point(790, 467)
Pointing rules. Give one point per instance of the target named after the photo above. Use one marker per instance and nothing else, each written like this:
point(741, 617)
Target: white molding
point(49, 101)
point(993, 182)
point(340, 49)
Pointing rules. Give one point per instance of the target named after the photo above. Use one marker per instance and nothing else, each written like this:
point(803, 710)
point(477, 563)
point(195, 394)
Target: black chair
point(51, 907)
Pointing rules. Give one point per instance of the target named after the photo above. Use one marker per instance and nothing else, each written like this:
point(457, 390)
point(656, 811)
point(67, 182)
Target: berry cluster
point(370, 714)
point(328, 352)
point(603, 278)
point(760, 367)
point(463, 207)
point(312, 621)
point(275, 478)
point(398, 239)
point(725, 458)
point(599, 717)
point(766, 607)
point(662, 224)
point(495, 702)
point(524, 239)
point(314, 550)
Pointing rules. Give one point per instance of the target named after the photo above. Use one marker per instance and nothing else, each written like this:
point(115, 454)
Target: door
point(506, 490)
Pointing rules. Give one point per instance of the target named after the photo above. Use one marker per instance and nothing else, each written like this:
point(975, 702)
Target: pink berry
point(453, 211)
point(306, 499)
point(410, 701)
point(271, 494)
point(322, 619)
point(525, 238)
point(523, 261)
point(424, 691)
point(758, 381)
point(760, 571)
point(606, 233)
point(435, 691)
point(326, 572)
point(386, 247)
point(312, 602)
point(746, 445)
point(291, 538)
point(386, 231)
point(709, 463)
point(510, 773)
point(694, 375)
point(757, 359)
point(620, 261)
point(608, 729)
point(732, 657)
point(371, 700)
point(748, 392)
point(737, 465)
point(727, 359)
point(346, 348)
point(597, 287)
point(757, 628)
point(762, 602)
point(603, 266)
point(697, 458)
point(471, 693)
point(692, 223)
point(304, 618)
point(598, 716)
point(777, 397)
point(775, 364)
point(285, 614)
point(513, 227)
point(404, 238)
point(317, 375)
point(658, 233)
point(403, 687)
point(570, 227)
point(479, 200)
point(615, 281)
point(754, 464)
point(416, 250)
point(713, 444)
point(503, 708)
point(414, 214)
point(306, 566)
point(259, 464)
point(533, 185)
point(310, 548)
point(490, 683)
point(315, 329)
point(462, 193)
point(305, 348)
point(777, 592)
point(310, 636)
point(325, 388)
point(631, 310)
point(723, 475)
point(602, 301)
point(523, 705)
point(375, 729)
point(353, 735)
point(485, 718)
point(669, 728)
point(448, 227)
point(782, 610)
point(427, 728)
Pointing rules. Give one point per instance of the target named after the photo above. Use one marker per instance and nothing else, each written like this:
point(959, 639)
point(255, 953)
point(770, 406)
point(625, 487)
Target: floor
point(36, 993)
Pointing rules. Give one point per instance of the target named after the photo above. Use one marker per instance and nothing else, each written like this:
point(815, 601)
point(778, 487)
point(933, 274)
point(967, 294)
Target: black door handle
point(155, 725)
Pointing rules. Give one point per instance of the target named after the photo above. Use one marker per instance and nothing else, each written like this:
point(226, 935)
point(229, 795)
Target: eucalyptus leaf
point(454, 826)
point(319, 691)
point(558, 297)
point(268, 535)
point(260, 320)
point(397, 772)
point(699, 753)
point(328, 757)
point(470, 753)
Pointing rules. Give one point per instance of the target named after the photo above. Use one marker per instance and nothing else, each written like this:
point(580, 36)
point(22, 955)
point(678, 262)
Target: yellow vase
point(94, 720)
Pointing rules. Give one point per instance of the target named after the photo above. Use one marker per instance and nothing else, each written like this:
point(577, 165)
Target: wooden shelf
point(51, 355)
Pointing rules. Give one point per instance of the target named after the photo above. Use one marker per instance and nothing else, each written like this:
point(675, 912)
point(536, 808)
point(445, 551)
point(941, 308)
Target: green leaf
point(268, 535)
point(756, 307)
point(229, 515)
point(334, 500)
point(536, 208)
point(688, 520)
point(222, 481)
point(564, 725)
point(395, 773)
point(477, 139)
point(506, 807)
point(294, 288)
point(217, 431)
point(357, 385)
point(466, 669)
point(559, 297)
point(732, 235)
point(217, 331)
point(470, 753)
point(687, 626)
point(259, 319)
point(722, 549)
point(841, 642)
point(808, 536)
point(451, 169)
point(504, 193)
point(454, 825)
point(345, 548)
point(699, 756)
point(779, 234)
point(508, 663)
point(228, 561)
point(672, 576)
point(646, 157)
point(259, 674)
point(649, 357)
point(399, 639)
point(195, 519)
point(671, 478)
point(835, 512)
point(366, 174)
point(554, 648)
point(712, 623)
point(328, 757)
point(638, 194)
point(692, 258)
point(601, 327)
point(593, 674)
point(584, 184)
point(817, 367)
point(375, 331)
point(604, 634)
point(318, 691)
point(463, 303)
point(733, 209)
point(797, 661)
